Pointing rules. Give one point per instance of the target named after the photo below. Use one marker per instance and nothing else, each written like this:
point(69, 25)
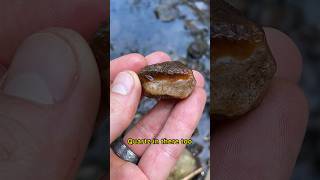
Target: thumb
point(48, 103)
point(125, 95)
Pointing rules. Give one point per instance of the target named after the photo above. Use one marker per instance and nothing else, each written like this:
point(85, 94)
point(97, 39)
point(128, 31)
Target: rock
point(195, 27)
point(185, 165)
point(242, 65)
point(195, 148)
point(166, 12)
point(168, 80)
point(197, 49)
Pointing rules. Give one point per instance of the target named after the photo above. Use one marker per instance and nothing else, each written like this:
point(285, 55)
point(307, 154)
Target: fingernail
point(123, 83)
point(42, 70)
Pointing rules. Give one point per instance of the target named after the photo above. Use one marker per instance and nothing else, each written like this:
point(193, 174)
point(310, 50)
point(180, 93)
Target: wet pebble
point(197, 49)
point(195, 148)
point(167, 80)
point(166, 12)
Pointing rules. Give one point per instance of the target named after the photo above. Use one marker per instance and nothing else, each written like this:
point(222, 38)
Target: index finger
point(135, 62)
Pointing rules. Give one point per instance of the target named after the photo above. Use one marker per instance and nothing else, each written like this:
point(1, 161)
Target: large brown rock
point(242, 65)
point(167, 80)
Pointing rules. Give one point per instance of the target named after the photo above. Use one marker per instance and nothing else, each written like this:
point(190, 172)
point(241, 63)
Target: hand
point(165, 120)
point(50, 93)
point(265, 143)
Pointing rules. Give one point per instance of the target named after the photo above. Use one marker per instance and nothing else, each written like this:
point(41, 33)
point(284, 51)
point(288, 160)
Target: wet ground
point(301, 21)
point(177, 27)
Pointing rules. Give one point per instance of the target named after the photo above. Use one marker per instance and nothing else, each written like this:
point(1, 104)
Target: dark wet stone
point(195, 148)
point(168, 80)
point(166, 12)
point(197, 49)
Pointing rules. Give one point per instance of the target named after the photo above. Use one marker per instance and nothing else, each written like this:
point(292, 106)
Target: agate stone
point(167, 80)
point(242, 65)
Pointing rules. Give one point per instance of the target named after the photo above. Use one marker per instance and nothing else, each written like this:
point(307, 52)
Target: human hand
point(265, 143)
point(165, 120)
point(49, 87)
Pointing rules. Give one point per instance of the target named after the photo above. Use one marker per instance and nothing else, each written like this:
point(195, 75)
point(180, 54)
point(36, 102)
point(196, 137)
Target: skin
point(264, 144)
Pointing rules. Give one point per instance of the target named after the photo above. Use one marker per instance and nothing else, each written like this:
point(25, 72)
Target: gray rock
point(166, 13)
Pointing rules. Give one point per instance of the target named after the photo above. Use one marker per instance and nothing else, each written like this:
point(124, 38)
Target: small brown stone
point(242, 65)
point(167, 80)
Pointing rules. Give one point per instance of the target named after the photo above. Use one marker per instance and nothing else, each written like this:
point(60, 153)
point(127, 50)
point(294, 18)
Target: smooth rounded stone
point(242, 65)
point(167, 80)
